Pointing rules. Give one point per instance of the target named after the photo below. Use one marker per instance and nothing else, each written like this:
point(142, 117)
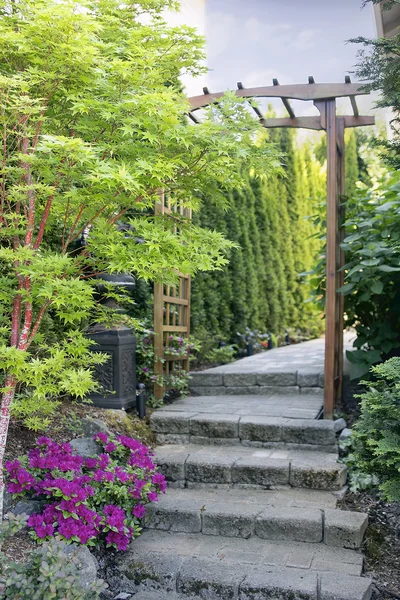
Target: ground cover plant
point(49, 574)
point(93, 123)
point(87, 500)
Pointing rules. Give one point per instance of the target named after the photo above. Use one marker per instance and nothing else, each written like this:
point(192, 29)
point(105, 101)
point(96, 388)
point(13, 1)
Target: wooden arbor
point(324, 98)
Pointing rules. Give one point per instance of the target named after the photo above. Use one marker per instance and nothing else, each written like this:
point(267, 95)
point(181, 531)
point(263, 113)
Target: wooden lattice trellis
point(171, 308)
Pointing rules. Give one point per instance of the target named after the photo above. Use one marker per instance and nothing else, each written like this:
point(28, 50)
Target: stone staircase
point(250, 513)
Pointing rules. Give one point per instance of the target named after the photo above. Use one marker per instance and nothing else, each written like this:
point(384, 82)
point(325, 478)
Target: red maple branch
point(37, 323)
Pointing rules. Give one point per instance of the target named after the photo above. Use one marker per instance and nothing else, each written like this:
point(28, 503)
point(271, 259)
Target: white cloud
point(280, 35)
point(220, 31)
point(258, 31)
point(307, 38)
point(264, 77)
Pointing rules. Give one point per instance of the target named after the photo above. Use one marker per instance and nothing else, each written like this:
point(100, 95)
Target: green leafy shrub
point(178, 347)
point(358, 480)
point(377, 432)
point(222, 355)
point(49, 573)
point(372, 284)
point(372, 267)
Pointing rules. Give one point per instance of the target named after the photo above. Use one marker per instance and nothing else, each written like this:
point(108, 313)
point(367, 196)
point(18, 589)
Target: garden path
point(251, 511)
point(307, 356)
point(296, 368)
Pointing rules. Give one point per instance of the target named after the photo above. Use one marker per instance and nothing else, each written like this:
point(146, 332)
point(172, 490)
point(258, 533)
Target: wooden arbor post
point(334, 302)
point(324, 98)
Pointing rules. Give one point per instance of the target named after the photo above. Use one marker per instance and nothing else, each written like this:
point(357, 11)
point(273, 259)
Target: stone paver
point(230, 566)
point(299, 515)
point(306, 358)
point(309, 406)
point(240, 465)
point(174, 427)
point(345, 529)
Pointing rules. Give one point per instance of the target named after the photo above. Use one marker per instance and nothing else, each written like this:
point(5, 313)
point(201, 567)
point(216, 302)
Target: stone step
point(198, 566)
point(185, 427)
point(237, 466)
point(159, 595)
point(279, 515)
point(239, 378)
point(299, 406)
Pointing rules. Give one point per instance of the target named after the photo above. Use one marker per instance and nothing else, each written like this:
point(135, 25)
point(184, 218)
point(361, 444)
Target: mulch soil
point(66, 425)
point(381, 547)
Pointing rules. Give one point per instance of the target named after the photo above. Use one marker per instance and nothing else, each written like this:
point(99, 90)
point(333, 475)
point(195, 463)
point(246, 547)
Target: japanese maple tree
point(93, 125)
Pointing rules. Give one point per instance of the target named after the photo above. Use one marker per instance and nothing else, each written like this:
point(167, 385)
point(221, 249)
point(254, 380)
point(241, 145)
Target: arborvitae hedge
point(261, 288)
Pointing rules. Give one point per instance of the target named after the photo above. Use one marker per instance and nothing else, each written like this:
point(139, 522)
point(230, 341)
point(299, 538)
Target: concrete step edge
point(341, 529)
point(207, 577)
point(172, 439)
point(180, 464)
point(280, 378)
point(189, 427)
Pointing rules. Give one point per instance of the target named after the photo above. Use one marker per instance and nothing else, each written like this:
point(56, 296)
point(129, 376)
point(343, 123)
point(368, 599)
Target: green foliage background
point(270, 221)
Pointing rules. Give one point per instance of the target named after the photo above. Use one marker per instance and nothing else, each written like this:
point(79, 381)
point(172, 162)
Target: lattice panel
point(171, 310)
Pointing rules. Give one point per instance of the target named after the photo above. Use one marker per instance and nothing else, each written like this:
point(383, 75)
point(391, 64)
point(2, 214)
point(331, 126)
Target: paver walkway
point(251, 511)
point(307, 356)
point(299, 368)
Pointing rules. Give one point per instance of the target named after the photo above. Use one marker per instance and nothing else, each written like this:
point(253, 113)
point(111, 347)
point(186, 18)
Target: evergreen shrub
point(377, 432)
point(261, 288)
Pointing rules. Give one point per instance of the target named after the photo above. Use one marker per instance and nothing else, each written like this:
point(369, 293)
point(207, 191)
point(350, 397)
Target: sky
point(253, 41)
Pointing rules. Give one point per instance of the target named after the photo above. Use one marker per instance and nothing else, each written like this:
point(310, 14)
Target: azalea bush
point(87, 500)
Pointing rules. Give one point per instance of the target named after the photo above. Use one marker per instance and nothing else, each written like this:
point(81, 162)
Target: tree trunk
point(5, 413)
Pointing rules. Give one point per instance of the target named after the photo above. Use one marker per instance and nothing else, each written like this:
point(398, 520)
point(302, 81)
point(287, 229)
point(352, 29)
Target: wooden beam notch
point(354, 106)
point(259, 114)
point(285, 102)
